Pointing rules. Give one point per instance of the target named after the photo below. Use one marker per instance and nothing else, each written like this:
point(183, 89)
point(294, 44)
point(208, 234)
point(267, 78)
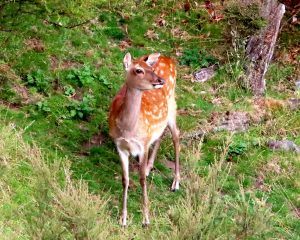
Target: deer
point(140, 112)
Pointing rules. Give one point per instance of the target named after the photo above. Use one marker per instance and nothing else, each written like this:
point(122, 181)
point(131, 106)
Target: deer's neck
point(129, 114)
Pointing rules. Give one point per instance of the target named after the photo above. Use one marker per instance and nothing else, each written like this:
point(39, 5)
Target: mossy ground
point(71, 71)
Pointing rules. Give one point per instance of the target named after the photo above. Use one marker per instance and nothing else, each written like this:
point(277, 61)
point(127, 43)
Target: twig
point(6, 30)
point(70, 26)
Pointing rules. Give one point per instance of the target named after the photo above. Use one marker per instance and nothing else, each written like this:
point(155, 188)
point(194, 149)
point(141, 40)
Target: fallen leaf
point(123, 45)
point(160, 21)
point(187, 6)
point(151, 34)
point(210, 8)
point(178, 33)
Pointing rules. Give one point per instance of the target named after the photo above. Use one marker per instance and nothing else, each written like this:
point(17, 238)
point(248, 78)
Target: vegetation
point(60, 177)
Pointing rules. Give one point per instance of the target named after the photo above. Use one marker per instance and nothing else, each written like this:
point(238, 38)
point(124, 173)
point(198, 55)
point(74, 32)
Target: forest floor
point(60, 176)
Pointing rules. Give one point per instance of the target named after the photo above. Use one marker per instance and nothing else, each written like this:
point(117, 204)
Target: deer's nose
point(161, 81)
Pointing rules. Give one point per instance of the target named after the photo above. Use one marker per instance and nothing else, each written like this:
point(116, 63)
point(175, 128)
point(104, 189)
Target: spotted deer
point(138, 116)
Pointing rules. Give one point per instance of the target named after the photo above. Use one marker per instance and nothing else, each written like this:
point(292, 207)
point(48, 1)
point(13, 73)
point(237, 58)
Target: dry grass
point(40, 200)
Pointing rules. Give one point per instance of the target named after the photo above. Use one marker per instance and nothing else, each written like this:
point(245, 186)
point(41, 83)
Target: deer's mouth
point(159, 84)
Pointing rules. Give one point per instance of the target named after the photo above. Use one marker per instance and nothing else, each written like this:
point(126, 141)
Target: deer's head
point(140, 72)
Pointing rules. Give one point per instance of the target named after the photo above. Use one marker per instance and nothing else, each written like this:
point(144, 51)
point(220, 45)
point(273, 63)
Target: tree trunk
point(261, 47)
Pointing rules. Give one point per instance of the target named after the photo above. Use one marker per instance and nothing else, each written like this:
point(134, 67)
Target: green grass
point(53, 187)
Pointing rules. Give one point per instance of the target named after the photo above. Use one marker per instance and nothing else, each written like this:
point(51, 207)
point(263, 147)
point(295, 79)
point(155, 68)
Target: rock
point(297, 83)
point(284, 145)
point(204, 74)
point(294, 103)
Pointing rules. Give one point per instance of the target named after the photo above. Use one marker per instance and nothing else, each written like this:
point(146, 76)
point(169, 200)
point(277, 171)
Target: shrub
point(197, 58)
point(82, 77)
point(82, 109)
point(38, 80)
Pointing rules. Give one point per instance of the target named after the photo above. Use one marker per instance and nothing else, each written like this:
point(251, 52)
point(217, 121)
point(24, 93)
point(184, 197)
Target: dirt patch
point(297, 212)
point(95, 141)
point(7, 73)
point(35, 44)
point(273, 166)
point(189, 112)
point(289, 56)
point(23, 92)
point(259, 182)
point(13, 106)
point(53, 62)
point(263, 108)
point(56, 64)
point(230, 121)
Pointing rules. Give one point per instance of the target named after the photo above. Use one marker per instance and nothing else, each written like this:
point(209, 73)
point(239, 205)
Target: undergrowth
point(60, 176)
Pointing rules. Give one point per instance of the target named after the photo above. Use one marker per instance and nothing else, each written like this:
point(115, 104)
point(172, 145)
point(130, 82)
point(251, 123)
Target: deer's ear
point(127, 61)
point(152, 59)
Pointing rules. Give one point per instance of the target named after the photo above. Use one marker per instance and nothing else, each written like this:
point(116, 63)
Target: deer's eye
point(139, 71)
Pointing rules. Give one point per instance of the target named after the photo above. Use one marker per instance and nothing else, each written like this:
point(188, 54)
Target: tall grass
point(40, 200)
point(207, 213)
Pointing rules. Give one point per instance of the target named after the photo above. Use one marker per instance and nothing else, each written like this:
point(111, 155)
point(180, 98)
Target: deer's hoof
point(175, 186)
point(145, 225)
point(148, 170)
point(123, 221)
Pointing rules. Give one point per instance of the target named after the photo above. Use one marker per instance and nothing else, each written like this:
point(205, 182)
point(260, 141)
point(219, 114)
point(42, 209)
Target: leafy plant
point(236, 149)
point(82, 109)
point(197, 58)
point(43, 106)
point(105, 81)
point(82, 77)
point(69, 90)
point(37, 80)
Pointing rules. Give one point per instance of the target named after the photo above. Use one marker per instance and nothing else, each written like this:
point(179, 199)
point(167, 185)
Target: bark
point(260, 47)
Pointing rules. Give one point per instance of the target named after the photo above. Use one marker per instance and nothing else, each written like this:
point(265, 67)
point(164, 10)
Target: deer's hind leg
point(153, 156)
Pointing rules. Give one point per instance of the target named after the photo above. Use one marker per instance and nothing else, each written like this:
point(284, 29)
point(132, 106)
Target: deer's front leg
point(124, 155)
point(143, 182)
point(175, 137)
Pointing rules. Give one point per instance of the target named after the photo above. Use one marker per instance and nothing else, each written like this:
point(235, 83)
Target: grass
point(56, 83)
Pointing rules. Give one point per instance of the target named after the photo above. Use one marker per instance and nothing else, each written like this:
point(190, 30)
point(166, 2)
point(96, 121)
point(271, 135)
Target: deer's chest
point(130, 145)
